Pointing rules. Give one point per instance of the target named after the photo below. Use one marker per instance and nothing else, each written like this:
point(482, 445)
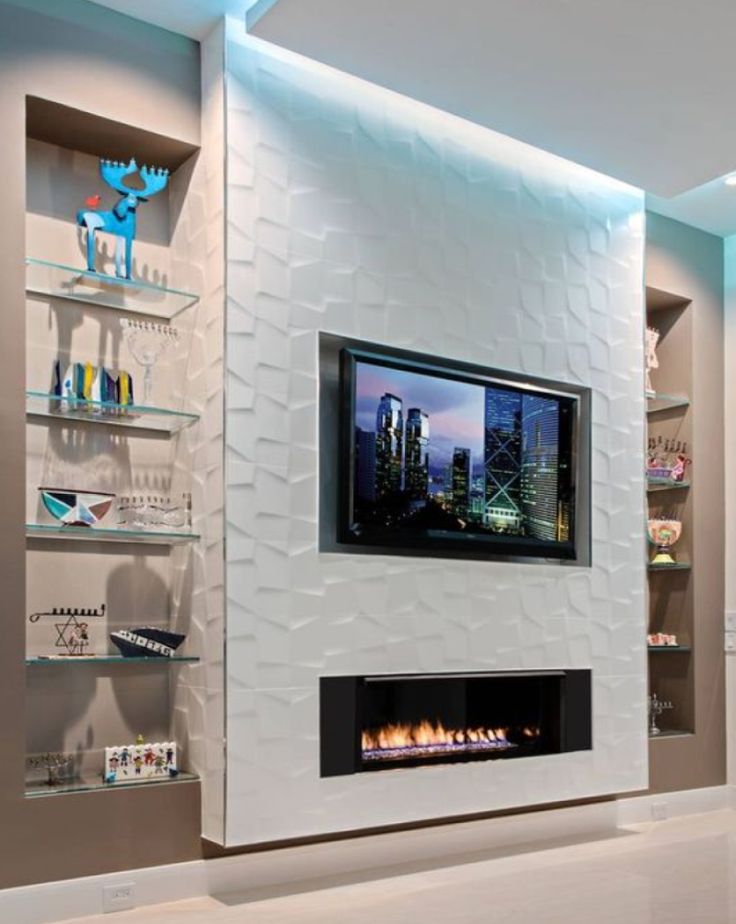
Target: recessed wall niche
point(143, 455)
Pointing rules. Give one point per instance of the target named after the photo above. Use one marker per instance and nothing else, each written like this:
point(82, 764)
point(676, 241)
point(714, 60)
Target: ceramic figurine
point(121, 219)
point(662, 640)
point(652, 339)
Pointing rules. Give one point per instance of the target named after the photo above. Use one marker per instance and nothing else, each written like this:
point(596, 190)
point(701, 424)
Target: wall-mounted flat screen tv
point(448, 457)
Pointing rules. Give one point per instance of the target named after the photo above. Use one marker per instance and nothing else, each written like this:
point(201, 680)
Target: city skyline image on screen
point(439, 458)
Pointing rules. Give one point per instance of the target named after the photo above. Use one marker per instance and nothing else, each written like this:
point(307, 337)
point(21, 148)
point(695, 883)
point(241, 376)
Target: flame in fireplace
point(432, 738)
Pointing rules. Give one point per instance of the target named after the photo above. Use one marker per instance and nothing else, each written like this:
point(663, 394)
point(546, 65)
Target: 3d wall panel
point(354, 211)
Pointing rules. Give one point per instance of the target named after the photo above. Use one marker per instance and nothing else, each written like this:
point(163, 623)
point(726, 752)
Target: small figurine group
point(140, 762)
point(667, 460)
point(662, 640)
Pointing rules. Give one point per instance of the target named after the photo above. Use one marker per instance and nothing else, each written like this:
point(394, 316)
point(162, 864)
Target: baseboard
point(660, 806)
point(76, 898)
point(375, 856)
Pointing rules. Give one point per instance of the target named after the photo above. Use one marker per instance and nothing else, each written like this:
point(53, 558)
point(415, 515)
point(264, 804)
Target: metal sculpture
point(121, 219)
point(55, 764)
point(73, 634)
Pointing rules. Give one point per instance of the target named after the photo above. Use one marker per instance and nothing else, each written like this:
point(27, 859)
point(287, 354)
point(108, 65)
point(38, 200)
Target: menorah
point(54, 763)
point(73, 633)
point(147, 342)
point(656, 707)
point(121, 219)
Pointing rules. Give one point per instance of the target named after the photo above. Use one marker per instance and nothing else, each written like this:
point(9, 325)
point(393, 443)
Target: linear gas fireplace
point(388, 721)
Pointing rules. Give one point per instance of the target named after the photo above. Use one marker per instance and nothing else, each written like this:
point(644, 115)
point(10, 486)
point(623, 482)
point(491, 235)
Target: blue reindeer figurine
point(120, 220)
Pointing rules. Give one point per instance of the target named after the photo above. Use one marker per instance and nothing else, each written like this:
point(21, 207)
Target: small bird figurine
point(93, 201)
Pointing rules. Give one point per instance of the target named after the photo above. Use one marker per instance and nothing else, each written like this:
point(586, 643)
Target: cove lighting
point(343, 89)
point(730, 180)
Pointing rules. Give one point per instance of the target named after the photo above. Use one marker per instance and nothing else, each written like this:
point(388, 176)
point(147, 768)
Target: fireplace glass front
point(390, 721)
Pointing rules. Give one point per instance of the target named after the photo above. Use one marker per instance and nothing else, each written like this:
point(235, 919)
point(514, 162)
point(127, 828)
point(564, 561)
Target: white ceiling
point(638, 89)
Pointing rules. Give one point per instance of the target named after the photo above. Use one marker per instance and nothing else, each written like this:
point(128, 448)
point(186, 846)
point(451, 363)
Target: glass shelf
point(130, 295)
point(675, 566)
point(672, 733)
point(98, 534)
point(141, 417)
point(665, 484)
point(108, 659)
point(34, 790)
point(661, 402)
point(671, 648)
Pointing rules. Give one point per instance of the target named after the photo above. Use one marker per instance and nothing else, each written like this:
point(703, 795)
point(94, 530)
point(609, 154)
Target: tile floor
point(681, 871)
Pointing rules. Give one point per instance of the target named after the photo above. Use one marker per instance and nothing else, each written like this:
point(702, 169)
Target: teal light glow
point(339, 89)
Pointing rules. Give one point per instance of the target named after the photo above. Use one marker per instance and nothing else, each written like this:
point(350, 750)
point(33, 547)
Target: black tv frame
point(460, 545)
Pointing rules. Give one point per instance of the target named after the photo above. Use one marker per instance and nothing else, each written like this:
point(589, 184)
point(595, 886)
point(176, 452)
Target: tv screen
point(441, 456)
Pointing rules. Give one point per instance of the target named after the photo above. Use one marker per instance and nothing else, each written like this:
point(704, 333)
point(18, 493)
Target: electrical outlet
point(118, 897)
point(659, 811)
point(730, 620)
point(730, 644)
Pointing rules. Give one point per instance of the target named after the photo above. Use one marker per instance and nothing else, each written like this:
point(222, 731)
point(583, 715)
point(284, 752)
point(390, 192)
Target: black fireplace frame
point(341, 713)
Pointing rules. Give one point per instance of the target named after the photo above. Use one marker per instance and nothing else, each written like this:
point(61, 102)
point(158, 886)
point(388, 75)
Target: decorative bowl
point(76, 508)
point(147, 642)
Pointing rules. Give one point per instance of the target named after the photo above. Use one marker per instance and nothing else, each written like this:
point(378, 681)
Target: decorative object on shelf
point(56, 765)
point(662, 640)
point(656, 707)
point(73, 634)
point(76, 508)
point(140, 762)
point(652, 339)
point(81, 382)
point(147, 641)
point(147, 342)
point(150, 511)
point(667, 460)
point(121, 219)
point(664, 533)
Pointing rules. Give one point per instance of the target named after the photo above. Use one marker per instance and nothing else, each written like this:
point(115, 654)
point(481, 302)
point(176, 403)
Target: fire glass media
point(457, 458)
point(384, 722)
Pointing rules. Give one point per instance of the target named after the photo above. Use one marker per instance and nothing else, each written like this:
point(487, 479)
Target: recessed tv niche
point(457, 459)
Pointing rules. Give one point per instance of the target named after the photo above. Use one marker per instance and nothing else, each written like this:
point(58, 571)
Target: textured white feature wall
point(198, 262)
point(354, 211)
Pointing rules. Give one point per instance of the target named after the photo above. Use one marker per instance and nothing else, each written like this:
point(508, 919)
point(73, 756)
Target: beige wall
point(730, 413)
point(77, 54)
